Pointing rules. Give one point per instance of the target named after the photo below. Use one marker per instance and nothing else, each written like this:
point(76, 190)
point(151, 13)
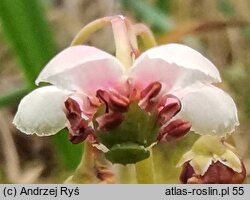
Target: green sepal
point(127, 153)
point(138, 128)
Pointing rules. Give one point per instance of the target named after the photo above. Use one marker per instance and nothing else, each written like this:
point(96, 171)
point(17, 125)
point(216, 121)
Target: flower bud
point(211, 161)
point(217, 173)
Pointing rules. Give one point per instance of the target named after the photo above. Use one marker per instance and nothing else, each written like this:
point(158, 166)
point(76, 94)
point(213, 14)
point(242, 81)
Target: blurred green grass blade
point(27, 32)
point(226, 7)
point(13, 96)
point(157, 19)
point(246, 32)
point(164, 5)
point(70, 154)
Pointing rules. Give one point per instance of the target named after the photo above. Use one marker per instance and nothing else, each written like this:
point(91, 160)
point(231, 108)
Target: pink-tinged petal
point(174, 66)
point(83, 68)
point(87, 105)
point(41, 111)
point(210, 110)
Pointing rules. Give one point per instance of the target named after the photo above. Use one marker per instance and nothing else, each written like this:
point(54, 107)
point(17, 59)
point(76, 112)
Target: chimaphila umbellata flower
point(165, 92)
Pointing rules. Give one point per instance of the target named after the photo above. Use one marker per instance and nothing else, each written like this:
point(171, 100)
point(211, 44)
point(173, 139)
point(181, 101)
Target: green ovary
point(128, 142)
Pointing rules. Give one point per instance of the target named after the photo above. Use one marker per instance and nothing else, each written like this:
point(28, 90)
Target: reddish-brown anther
point(78, 127)
point(72, 107)
point(80, 134)
point(113, 101)
point(168, 108)
point(109, 121)
point(148, 94)
point(174, 129)
point(217, 173)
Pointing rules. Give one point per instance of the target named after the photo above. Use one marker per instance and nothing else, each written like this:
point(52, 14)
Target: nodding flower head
point(166, 92)
point(212, 161)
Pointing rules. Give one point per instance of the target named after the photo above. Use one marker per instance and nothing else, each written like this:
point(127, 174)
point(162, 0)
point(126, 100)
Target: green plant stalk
point(26, 30)
point(84, 173)
point(146, 35)
point(145, 172)
point(126, 174)
point(90, 28)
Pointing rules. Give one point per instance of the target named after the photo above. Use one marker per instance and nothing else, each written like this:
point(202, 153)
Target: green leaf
point(164, 5)
point(152, 15)
point(27, 32)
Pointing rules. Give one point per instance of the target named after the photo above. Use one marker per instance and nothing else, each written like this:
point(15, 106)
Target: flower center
point(129, 125)
point(128, 140)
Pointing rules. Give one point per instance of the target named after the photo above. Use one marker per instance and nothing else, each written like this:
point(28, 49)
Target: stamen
point(113, 101)
point(118, 103)
point(174, 129)
point(80, 134)
point(78, 127)
point(72, 106)
point(147, 97)
point(168, 108)
point(103, 95)
point(109, 121)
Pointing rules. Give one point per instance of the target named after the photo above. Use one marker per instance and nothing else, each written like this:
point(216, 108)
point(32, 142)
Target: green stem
point(120, 32)
point(145, 171)
point(84, 173)
point(90, 28)
point(126, 174)
point(146, 35)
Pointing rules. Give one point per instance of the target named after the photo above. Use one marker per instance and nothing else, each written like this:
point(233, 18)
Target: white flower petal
point(174, 65)
point(41, 112)
point(210, 110)
point(83, 68)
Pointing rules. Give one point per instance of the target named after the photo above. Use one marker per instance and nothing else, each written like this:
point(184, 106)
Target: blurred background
point(33, 31)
